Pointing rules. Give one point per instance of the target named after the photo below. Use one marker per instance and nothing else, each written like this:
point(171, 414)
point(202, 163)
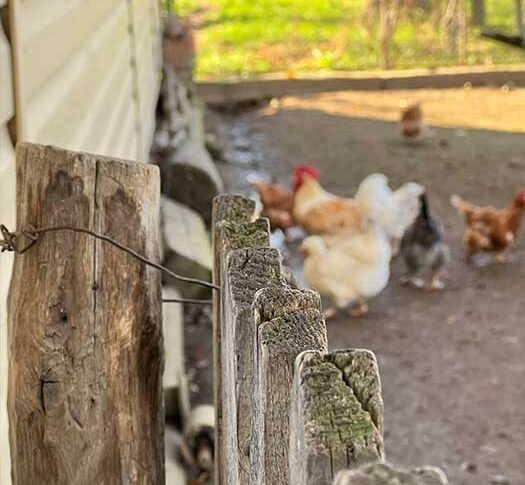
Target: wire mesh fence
point(248, 37)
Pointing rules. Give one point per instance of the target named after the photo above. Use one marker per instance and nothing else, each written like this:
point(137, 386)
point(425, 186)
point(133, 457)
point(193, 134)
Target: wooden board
point(85, 335)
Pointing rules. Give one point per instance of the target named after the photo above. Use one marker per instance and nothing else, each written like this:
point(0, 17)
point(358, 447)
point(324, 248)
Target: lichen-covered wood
point(232, 229)
point(361, 374)
point(294, 325)
point(85, 335)
point(336, 415)
point(270, 303)
point(246, 272)
point(383, 474)
point(233, 208)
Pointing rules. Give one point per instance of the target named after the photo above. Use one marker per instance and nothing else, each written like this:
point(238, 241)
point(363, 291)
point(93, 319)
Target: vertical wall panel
point(77, 61)
point(147, 49)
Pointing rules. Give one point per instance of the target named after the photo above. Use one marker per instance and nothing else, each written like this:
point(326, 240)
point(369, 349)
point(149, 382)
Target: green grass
point(250, 37)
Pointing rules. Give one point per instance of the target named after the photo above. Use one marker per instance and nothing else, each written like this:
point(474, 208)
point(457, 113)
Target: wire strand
point(9, 244)
point(189, 301)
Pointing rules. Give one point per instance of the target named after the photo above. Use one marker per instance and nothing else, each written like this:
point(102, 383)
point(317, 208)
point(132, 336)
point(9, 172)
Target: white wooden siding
point(87, 70)
point(145, 21)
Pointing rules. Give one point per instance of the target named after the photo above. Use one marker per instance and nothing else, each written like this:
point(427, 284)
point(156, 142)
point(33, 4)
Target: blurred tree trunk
point(520, 21)
point(462, 31)
point(478, 12)
point(455, 25)
point(450, 25)
point(388, 16)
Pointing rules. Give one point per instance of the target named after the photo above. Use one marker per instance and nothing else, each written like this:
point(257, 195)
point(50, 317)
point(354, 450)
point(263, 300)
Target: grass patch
point(250, 37)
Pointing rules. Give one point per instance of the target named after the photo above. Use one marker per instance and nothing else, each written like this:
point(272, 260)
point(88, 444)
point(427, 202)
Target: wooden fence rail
point(288, 412)
point(85, 334)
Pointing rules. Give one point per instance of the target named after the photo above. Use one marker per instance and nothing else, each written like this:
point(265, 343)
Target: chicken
point(319, 212)
point(490, 229)
point(424, 249)
point(394, 211)
point(200, 438)
point(348, 268)
point(277, 204)
point(411, 124)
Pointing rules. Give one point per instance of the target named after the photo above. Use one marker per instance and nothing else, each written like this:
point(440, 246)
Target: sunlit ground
point(498, 109)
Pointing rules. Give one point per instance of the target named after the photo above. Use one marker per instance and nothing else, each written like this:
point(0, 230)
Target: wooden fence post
point(288, 322)
point(232, 229)
point(337, 415)
point(246, 271)
point(85, 335)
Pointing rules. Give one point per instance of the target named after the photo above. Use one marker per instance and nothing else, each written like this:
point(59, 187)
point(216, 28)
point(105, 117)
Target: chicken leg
point(502, 257)
point(412, 280)
point(330, 313)
point(435, 282)
point(360, 310)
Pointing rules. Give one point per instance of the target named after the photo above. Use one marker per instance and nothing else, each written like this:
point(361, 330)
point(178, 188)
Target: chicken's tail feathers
point(257, 184)
point(254, 180)
point(410, 190)
point(425, 209)
point(461, 205)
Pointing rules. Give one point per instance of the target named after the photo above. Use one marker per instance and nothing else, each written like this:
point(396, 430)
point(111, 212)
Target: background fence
point(237, 37)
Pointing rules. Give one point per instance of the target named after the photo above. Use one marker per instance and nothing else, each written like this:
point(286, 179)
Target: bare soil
point(452, 363)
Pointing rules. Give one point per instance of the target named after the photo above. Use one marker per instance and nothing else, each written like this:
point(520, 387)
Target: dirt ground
point(452, 363)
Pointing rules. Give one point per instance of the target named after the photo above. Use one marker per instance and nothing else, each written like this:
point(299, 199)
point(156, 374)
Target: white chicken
point(392, 211)
point(348, 268)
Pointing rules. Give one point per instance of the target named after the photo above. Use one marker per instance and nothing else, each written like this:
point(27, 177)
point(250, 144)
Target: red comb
point(302, 170)
point(308, 169)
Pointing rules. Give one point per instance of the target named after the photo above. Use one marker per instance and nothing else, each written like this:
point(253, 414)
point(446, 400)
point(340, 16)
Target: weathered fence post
point(232, 229)
point(337, 415)
point(85, 335)
point(288, 322)
point(246, 271)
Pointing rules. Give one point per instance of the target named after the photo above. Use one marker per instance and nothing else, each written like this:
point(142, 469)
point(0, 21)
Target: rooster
point(411, 124)
point(348, 268)
point(318, 211)
point(490, 229)
point(277, 204)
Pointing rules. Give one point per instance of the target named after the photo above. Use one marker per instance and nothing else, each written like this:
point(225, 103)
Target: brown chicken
point(319, 212)
point(490, 229)
point(277, 204)
point(412, 126)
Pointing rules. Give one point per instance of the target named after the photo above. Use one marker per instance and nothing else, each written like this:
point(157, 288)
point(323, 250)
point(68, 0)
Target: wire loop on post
point(11, 242)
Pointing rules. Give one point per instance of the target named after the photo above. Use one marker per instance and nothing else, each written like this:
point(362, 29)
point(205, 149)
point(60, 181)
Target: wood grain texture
point(336, 415)
point(246, 272)
point(85, 335)
point(383, 474)
point(295, 324)
point(226, 209)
